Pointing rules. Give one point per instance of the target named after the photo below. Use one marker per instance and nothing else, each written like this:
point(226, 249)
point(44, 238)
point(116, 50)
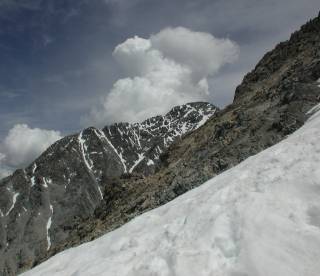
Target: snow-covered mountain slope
point(259, 218)
point(140, 145)
point(42, 204)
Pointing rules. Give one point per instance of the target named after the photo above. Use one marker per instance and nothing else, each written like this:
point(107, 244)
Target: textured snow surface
point(260, 218)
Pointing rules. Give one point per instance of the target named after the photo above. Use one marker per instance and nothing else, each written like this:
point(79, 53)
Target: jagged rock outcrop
point(40, 205)
point(272, 102)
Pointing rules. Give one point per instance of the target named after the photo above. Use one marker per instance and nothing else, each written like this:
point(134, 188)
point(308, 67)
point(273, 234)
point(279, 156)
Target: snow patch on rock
point(49, 222)
point(14, 200)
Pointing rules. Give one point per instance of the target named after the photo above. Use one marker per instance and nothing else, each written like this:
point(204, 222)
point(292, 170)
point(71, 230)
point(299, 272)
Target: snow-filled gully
point(88, 162)
point(100, 134)
point(48, 226)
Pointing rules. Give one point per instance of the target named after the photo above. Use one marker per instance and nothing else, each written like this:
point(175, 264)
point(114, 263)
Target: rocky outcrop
point(41, 204)
point(270, 103)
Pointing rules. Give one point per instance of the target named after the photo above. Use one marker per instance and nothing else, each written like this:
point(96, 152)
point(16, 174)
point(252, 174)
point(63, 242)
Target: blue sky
point(56, 56)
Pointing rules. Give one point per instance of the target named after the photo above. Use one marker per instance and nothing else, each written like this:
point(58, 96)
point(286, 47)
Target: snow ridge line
point(48, 228)
point(100, 134)
point(14, 200)
point(45, 184)
point(204, 119)
point(34, 168)
point(83, 149)
point(33, 181)
point(137, 162)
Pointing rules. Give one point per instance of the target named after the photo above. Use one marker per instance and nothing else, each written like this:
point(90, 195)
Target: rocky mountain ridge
point(39, 204)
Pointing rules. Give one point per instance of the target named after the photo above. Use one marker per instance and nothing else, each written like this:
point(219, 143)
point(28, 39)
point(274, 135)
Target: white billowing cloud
point(201, 51)
point(170, 68)
point(22, 145)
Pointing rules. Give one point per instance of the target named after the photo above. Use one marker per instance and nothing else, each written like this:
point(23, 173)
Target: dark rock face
point(41, 205)
point(272, 102)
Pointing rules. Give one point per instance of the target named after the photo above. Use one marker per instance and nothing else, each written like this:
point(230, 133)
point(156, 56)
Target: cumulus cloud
point(200, 51)
point(167, 69)
point(22, 145)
